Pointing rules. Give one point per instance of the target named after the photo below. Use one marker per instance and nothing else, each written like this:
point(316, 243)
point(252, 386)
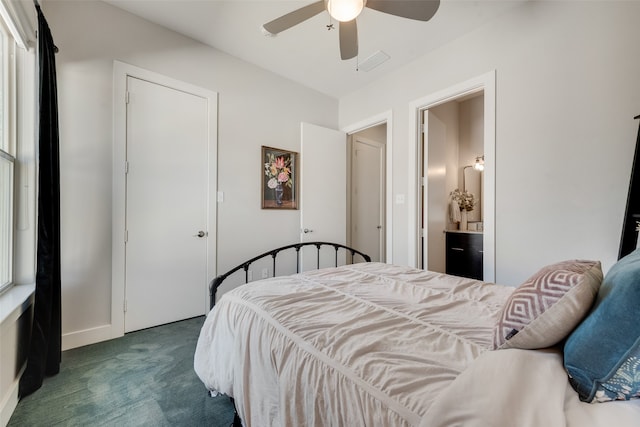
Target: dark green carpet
point(145, 378)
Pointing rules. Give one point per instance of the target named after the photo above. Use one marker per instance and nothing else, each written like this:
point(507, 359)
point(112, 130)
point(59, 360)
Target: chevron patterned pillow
point(548, 306)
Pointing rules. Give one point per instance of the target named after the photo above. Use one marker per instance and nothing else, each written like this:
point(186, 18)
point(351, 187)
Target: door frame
point(379, 119)
point(121, 71)
point(487, 83)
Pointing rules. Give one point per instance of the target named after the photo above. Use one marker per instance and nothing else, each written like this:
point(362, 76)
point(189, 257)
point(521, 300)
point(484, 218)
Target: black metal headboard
point(629, 237)
point(215, 283)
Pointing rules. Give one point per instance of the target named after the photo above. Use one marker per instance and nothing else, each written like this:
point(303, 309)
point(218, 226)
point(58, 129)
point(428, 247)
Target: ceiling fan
point(346, 11)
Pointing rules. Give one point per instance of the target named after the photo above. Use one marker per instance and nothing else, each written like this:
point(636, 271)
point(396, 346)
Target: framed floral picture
point(279, 170)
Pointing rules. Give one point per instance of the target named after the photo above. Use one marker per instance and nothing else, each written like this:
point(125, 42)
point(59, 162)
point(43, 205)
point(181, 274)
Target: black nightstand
point(464, 254)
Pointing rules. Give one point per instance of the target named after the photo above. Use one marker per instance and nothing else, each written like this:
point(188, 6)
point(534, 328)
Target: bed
point(372, 344)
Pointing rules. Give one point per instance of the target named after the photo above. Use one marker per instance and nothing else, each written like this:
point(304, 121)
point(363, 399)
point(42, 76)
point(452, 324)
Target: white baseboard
point(88, 336)
point(10, 402)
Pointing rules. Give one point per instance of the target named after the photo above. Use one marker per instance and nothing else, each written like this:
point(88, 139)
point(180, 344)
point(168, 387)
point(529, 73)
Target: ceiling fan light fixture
point(344, 10)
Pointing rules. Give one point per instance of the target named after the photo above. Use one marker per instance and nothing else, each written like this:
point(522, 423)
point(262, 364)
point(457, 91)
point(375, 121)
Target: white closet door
point(367, 197)
point(166, 205)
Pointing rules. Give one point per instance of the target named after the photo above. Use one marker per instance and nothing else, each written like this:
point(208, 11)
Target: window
point(6, 219)
point(7, 164)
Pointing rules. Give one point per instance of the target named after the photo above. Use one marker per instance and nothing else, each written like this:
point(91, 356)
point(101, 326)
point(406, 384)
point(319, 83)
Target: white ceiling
point(308, 53)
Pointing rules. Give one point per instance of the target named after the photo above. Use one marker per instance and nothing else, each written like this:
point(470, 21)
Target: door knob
point(200, 234)
point(306, 230)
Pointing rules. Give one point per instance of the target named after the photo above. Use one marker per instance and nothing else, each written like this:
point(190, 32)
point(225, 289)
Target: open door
point(434, 199)
point(323, 187)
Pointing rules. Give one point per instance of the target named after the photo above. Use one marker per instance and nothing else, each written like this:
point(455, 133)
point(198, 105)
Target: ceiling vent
point(373, 61)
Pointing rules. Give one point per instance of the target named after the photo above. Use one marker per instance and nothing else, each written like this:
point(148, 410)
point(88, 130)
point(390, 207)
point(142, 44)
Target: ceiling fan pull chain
point(330, 24)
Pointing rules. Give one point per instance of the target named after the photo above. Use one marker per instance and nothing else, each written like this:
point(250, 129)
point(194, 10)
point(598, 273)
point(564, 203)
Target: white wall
point(255, 108)
point(567, 91)
point(471, 146)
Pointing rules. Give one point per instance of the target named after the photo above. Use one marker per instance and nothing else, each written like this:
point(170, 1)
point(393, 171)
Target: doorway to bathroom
point(455, 150)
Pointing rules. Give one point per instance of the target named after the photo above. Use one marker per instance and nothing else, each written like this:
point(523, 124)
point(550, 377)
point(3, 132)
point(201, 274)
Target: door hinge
point(126, 97)
point(124, 306)
point(126, 168)
point(126, 236)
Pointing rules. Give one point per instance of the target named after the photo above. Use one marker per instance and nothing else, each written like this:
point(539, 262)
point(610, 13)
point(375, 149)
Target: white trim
point(9, 97)
point(8, 405)
point(18, 23)
point(86, 336)
point(14, 303)
point(8, 149)
point(121, 71)
point(486, 82)
point(26, 133)
point(378, 119)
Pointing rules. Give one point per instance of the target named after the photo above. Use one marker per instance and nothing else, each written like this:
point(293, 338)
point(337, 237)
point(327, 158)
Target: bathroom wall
point(471, 142)
point(464, 122)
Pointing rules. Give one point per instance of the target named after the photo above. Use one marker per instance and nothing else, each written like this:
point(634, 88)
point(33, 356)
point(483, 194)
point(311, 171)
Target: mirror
point(472, 182)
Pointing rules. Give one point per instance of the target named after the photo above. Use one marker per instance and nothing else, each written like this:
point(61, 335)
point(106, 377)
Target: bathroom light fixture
point(479, 165)
point(344, 10)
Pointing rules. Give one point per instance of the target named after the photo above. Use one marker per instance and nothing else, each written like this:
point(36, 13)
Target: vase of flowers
point(279, 192)
point(466, 201)
point(278, 172)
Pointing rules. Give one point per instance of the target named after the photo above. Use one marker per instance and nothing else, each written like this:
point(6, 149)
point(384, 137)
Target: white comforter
point(367, 345)
point(522, 388)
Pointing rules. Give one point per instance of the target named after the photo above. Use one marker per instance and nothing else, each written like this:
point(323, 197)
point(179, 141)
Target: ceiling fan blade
point(348, 39)
point(420, 10)
point(294, 18)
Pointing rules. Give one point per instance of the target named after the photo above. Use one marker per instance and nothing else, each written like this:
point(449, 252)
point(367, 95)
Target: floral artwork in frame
point(279, 179)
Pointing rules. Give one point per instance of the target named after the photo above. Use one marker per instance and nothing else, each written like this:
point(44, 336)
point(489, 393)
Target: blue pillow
point(602, 355)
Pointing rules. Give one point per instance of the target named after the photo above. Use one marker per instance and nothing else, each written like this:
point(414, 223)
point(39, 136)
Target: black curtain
point(46, 335)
